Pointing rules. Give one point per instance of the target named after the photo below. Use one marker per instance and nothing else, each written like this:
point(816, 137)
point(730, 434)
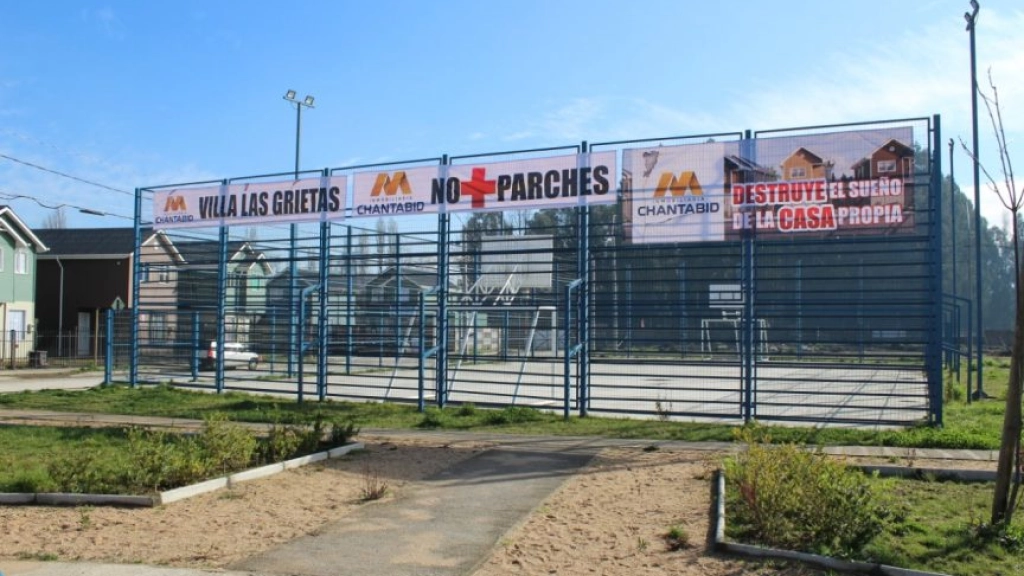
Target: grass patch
point(140, 461)
point(941, 530)
point(938, 528)
point(975, 425)
point(790, 498)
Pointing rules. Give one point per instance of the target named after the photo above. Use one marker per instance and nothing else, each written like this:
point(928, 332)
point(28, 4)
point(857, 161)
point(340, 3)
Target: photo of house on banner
point(834, 184)
point(675, 193)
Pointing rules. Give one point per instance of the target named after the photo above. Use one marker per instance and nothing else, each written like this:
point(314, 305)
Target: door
point(15, 324)
point(84, 333)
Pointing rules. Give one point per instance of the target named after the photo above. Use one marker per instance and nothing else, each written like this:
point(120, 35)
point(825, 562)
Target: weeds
point(663, 410)
point(374, 485)
point(433, 417)
point(641, 544)
point(513, 415)
point(85, 517)
point(677, 538)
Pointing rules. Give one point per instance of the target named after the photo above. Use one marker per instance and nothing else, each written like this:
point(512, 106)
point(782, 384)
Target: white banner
point(305, 200)
point(675, 193)
point(553, 182)
point(396, 192)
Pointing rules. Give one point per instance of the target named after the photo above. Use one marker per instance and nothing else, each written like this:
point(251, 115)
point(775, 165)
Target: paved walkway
point(443, 526)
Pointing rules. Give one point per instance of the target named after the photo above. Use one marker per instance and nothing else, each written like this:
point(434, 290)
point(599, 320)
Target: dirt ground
point(611, 518)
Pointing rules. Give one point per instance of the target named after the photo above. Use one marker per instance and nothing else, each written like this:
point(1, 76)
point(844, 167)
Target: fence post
point(420, 395)
point(108, 363)
point(196, 347)
point(14, 346)
point(322, 324)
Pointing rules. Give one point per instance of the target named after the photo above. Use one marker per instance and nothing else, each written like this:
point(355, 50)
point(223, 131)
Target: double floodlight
point(307, 101)
point(971, 16)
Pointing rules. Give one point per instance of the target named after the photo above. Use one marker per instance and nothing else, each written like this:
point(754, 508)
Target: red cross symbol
point(478, 188)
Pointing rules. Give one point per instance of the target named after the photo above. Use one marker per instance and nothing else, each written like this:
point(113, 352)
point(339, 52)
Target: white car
point(235, 354)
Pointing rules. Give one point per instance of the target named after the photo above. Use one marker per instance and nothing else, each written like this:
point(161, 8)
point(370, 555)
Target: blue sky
point(128, 94)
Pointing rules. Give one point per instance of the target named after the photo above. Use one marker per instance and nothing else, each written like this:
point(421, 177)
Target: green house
point(18, 250)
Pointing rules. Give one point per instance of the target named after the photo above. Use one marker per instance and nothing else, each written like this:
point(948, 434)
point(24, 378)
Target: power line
point(66, 175)
point(84, 210)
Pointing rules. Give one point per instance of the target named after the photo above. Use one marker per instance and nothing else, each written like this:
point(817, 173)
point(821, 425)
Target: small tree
point(1007, 490)
point(58, 219)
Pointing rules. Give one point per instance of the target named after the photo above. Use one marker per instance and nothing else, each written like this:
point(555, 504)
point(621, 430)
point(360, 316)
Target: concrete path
point(446, 526)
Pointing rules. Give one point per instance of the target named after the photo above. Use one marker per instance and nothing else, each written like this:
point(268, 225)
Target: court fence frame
point(836, 328)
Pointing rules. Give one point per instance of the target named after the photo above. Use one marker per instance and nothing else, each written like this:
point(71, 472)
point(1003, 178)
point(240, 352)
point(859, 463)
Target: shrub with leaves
point(342, 432)
point(227, 446)
point(153, 458)
point(789, 497)
point(79, 471)
point(282, 442)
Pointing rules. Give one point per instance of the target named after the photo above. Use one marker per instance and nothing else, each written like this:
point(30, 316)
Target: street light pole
point(952, 224)
point(294, 338)
point(972, 20)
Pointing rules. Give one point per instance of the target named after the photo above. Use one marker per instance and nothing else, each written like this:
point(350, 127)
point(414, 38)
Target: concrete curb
point(931, 473)
point(73, 499)
point(169, 496)
point(824, 562)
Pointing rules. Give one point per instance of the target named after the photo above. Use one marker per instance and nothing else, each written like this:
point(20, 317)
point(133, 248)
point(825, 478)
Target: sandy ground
point(611, 518)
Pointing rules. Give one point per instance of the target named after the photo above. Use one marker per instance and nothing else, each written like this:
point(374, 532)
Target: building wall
point(89, 285)
point(16, 287)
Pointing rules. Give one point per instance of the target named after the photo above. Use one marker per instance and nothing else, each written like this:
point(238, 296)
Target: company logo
point(478, 188)
point(390, 185)
point(175, 204)
point(687, 180)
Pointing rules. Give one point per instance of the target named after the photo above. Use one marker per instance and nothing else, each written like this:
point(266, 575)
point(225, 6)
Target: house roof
point(896, 147)
point(206, 253)
point(744, 164)
point(16, 228)
point(810, 156)
point(422, 276)
point(336, 283)
point(109, 242)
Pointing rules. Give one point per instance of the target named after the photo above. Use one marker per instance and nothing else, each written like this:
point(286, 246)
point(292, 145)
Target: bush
point(153, 458)
point(226, 446)
point(29, 481)
point(79, 471)
point(281, 443)
point(789, 497)
point(433, 417)
point(342, 432)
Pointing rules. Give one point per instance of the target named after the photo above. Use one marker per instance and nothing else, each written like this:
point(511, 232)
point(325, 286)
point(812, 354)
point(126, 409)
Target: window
point(886, 166)
point(156, 273)
point(158, 328)
point(21, 261)
point(798, 172)
point(3, 256)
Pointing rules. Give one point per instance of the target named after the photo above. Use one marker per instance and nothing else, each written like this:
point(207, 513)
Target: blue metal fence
point(564, 309)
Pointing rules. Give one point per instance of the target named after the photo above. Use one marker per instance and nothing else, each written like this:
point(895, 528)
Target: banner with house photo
point(834, 184)
point(837, 184)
